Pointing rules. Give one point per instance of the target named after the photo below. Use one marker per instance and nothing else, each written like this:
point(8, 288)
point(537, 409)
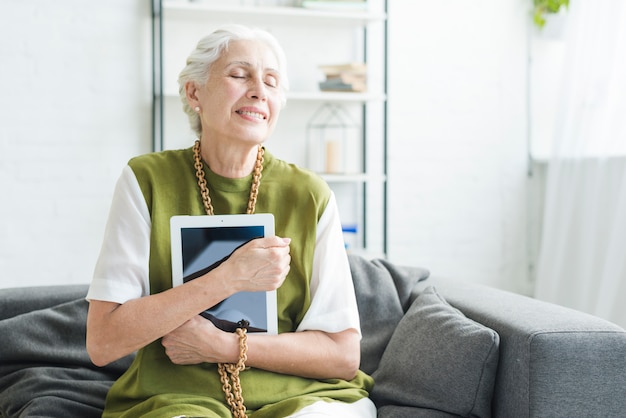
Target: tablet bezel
point(181, 222)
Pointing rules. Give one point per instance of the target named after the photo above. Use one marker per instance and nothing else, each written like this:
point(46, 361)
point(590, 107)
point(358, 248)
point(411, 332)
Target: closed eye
point(271, 81)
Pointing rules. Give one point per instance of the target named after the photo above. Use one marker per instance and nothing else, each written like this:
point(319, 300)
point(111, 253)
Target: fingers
point(270, 242)
point(261, 264)
point(199, 341)
point(181, 344)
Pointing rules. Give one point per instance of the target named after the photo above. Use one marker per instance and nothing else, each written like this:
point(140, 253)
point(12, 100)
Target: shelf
point(291, 15)
point(310, 36)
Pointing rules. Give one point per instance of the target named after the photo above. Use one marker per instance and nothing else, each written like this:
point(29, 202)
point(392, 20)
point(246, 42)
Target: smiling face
point(241, 100)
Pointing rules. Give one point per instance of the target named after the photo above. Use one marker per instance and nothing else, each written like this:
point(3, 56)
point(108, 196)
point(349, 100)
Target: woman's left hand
point(199, 341)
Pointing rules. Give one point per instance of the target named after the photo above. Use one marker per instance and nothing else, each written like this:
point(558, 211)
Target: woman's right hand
point(260, 265)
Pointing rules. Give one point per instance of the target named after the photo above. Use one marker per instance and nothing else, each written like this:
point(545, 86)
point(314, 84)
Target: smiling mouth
point(255, 115)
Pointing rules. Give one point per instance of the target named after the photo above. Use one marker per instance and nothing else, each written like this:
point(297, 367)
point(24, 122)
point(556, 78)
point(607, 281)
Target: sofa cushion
point(395, 411)
point(383, 293)
point(18, 300)
point(45, 369)
point(438, 359)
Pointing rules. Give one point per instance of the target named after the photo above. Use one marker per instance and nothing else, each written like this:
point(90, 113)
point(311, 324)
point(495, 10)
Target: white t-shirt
point(121, 272)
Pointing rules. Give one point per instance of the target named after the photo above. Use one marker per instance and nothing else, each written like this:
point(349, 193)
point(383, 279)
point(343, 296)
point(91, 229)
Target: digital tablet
point(201, 243)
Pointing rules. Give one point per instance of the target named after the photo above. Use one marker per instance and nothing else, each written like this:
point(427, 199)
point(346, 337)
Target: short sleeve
point(333, 301)
point(121, 271)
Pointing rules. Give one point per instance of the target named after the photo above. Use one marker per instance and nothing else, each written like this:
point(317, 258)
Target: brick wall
point(74, 106)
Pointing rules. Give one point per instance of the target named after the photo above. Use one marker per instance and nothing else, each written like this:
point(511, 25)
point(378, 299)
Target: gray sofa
point(436, 347)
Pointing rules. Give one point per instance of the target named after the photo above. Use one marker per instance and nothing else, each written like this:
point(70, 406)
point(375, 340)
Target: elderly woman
point(233, 88)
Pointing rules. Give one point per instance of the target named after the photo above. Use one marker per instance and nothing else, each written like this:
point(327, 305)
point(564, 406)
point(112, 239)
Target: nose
point(258, 89)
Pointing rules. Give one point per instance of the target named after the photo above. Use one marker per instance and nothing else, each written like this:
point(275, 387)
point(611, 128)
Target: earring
point(197, 109)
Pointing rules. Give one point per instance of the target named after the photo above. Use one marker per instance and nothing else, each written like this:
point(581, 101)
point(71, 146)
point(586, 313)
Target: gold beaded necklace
point(229, 372)
point(204, 191)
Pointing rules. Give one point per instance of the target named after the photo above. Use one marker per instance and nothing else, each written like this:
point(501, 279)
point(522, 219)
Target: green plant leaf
point(541, 7)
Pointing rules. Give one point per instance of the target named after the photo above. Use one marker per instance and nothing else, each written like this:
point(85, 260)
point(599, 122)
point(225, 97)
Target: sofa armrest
point(19, 300)
point(45, 369)
point(554, 361)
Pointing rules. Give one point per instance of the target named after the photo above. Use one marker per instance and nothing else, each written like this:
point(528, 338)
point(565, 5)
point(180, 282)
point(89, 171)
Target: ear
point(191, 92)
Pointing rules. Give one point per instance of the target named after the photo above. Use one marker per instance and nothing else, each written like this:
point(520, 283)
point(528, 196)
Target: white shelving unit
point(310, 37)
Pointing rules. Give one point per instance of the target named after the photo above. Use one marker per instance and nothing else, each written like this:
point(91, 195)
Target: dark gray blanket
point(44, 368)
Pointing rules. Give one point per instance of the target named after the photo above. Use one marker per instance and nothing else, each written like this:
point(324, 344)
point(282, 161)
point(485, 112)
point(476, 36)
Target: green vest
point(155, 387)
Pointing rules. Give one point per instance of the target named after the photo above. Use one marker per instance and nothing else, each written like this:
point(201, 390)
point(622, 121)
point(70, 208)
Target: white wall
point(458, 138)
point(74, 106)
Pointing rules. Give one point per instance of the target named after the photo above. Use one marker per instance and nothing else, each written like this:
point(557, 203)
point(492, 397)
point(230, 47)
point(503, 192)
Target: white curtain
point(582, 261)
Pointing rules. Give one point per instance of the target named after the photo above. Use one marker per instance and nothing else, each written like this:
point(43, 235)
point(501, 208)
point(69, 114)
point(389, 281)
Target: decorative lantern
point(333, 141)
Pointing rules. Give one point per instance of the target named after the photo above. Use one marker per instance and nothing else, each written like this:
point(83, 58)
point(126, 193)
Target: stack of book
point(344, 77)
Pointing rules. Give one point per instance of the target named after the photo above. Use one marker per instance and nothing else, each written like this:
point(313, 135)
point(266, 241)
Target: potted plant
point(541, 7)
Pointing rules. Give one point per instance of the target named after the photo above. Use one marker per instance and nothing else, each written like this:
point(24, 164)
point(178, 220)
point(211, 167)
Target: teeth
point(253, 114)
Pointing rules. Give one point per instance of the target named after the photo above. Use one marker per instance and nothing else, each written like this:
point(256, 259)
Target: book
point(344, 77)
point(340, 85)
point(347, 68)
